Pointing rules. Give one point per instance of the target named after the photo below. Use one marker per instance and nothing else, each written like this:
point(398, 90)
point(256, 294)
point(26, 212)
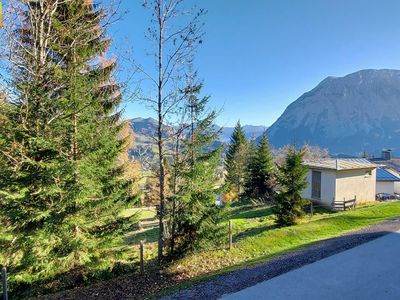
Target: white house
point(387, 181)
point(331, 180)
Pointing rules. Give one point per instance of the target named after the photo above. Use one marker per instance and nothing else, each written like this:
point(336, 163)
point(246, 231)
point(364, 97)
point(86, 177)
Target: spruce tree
point(292, 180)
point(250, 170)
point(260, 181)
point(66, 186)
point(236, 159)
point(175, 33)
point(196, 222)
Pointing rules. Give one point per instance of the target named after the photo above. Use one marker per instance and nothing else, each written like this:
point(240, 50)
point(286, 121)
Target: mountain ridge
point(145, 128)
point(350, 114)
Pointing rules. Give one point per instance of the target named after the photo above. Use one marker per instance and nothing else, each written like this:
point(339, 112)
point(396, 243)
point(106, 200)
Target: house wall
point(397, 187)
point(387, 187)
point(328, 181)
point(396, 183)
point(350, 183)
point(328, 187)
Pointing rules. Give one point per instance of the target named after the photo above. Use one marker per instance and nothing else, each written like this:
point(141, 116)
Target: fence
point(345, 204)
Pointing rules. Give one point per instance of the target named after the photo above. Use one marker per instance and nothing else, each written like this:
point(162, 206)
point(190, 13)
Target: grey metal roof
point(340, 164)
point(394, 163)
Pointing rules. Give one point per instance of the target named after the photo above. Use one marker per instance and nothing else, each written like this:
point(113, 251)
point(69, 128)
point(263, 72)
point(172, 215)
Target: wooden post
point(355, 200)
point(141, 257)
point(230, 234)
point(344, 204)
point(4, 282)
point(311, 210)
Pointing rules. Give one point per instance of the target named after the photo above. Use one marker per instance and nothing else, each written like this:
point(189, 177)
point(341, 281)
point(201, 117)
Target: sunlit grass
point(145, 213)
point(256, 238)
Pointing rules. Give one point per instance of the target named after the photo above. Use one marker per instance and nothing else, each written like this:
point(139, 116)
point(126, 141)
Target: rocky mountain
point(348, 115)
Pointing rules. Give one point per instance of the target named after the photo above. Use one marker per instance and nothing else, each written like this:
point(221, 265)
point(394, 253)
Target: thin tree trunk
point(74, 115)
point(174, 190)
point(74, 142)
point(160, 144)
point(192, 129)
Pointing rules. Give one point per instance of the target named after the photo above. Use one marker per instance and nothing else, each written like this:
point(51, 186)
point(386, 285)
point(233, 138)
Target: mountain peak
point(349, 114)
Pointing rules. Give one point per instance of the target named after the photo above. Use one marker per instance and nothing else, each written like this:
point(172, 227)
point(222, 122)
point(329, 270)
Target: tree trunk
point(160, 145)
point(174, 190)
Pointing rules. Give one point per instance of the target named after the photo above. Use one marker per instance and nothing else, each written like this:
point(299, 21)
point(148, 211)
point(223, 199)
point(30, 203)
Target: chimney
point(387, 154)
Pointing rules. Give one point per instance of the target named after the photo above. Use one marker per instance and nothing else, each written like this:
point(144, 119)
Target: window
point(316, 185)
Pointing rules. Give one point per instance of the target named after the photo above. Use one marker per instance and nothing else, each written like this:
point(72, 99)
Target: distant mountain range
point(348, 115)
point(146, 128)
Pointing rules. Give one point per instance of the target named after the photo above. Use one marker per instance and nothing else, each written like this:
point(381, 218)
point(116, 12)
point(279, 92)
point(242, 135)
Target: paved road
point(369, 271)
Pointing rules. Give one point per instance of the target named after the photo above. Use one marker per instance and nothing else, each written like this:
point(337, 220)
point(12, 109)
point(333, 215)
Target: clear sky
point(258, 56)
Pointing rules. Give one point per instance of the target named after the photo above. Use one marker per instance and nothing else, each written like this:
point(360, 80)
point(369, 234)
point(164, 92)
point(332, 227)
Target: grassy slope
point(148, 233)
point(257, 239)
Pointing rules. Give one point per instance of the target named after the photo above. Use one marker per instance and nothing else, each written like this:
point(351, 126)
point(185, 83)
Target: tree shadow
point(253, 231)
point(149, 235)
point(251, 212)
point(154, 283)
point(318, 209)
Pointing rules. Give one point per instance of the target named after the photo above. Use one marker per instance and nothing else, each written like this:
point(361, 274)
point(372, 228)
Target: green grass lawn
point(148, 233)
point(144, 213)
point(256, 238)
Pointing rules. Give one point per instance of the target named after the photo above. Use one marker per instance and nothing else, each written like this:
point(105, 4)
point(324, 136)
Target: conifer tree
point(65, 186)
point(196, 222)
point(175, 33)
point(292, 180)
point(260, 181)
point(236, 159)
point(251, 162)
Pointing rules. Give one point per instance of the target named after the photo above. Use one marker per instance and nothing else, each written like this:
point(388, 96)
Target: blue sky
point(258, 56)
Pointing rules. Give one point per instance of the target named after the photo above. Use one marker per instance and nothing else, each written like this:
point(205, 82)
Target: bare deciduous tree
point(175, 34)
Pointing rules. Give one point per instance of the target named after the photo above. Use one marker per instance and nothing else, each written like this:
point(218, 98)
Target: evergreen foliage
point(292, 180)
point(236, 159)
point(260, 181)
point(196, 220)
point(65, 184)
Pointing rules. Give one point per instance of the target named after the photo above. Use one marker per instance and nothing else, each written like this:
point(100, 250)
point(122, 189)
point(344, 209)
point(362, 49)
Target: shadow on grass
point(152, 219)
point(273, 265)
point(318, 209)
point(154, 284)
point(253, 213)
point(148, 235)
point(136, 286)
point(252, 232)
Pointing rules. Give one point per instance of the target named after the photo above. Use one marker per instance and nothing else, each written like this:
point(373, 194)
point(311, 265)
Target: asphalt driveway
point(368, 271)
